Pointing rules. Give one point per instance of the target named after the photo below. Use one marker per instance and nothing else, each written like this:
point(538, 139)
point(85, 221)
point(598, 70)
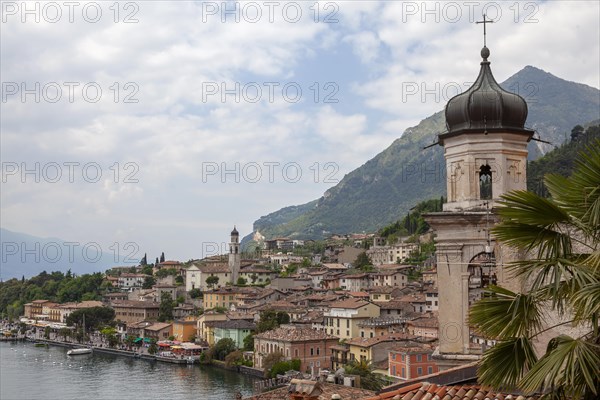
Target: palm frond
point(503, 313)
point(573, 364)
point(506, 363)
point(533, 222)
point(580, 194)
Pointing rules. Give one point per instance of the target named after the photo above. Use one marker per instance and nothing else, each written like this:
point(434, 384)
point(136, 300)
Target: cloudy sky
point(166, 123)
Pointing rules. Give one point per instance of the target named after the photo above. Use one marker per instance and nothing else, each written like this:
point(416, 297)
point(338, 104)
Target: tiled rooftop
point(368, 342)
point(351, 303)
point(431, 391)
point(289, 333)
point(327, 390)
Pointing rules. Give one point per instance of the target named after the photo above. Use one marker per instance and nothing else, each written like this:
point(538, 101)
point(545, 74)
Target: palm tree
point(561, 236)
point(368, 379)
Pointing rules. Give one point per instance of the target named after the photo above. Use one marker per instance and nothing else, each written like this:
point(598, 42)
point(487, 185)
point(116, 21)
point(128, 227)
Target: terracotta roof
point(135, 304)
point(359, 294)
point(394, 305)
point(431, 391)
point(368, 342)
point(289, 333)
point(214, 268)
point(382, 289)
point(414, 298)
point(424, 322)
point(326, 389)
point(157, 326)
point(170, 262)
point(352, 303)
point(83, 304)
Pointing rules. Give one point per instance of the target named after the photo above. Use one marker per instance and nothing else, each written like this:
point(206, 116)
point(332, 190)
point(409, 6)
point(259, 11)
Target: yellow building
point(184, 329)
point(205, 328)
point(374, 349)
point(224, 297)
point(344, 317)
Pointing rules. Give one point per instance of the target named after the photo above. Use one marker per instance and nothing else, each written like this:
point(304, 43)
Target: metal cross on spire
point(484, 31)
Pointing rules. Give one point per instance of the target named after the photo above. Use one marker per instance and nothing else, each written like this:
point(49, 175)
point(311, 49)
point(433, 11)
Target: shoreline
point(258, 374)
point(107, 350)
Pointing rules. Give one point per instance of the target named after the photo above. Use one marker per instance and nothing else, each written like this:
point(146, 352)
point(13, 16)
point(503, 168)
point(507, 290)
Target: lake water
point(29, 372)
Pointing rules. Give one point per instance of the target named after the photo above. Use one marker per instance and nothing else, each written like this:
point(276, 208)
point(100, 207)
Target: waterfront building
point(204, 327)
point(311, 347)
point(31, 310)
point(130, 311)
point(236, 330)
point(184, 329)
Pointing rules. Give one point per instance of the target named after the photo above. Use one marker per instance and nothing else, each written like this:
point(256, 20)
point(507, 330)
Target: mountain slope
point(385, 187)
point(26, 255)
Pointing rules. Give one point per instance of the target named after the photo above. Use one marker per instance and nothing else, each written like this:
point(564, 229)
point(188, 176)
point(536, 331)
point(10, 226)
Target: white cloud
point(378, 50)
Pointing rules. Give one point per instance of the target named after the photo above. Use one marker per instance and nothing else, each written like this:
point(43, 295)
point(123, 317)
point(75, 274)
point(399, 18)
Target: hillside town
point(331, 312)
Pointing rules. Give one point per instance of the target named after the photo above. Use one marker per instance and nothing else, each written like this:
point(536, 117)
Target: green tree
point(270, 360)
point(65, 333)
point(144, 260)
point(179, 280)
point(147, 269)
point(164, 272)
point(561, 235)
point(212, 280)
point(253, 278)
point(195, 293)
point(249, 343)
point(165, 309)
point(153, 348)
point(362, 261)
point(270, 319)
point(234, 358)
point(282, 367)
point(95, 317)
point(129, 340)
point(223, 347)
point(149, 281)
point(162, 257)
point(368, 379)
point(241, 281)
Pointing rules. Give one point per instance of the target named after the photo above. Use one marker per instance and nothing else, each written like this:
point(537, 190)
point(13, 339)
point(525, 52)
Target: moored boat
point(80, 351)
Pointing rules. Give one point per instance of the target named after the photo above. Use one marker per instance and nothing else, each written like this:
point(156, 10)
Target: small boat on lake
point(80, 351)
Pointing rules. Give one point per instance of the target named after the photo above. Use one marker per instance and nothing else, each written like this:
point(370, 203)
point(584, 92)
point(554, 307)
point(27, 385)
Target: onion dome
point(485, 106)
point(234, 232)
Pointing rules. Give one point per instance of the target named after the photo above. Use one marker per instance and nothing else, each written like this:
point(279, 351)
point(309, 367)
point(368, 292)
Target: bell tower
point(485, 148)
point(234, 255)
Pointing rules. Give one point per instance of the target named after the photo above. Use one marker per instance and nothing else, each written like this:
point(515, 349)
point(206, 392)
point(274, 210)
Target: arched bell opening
point(482, 273)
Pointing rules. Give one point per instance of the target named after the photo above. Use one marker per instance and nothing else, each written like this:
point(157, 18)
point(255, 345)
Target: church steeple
point(485, 148)
point(485, 107)
point(234, 255)
point(485, 143)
